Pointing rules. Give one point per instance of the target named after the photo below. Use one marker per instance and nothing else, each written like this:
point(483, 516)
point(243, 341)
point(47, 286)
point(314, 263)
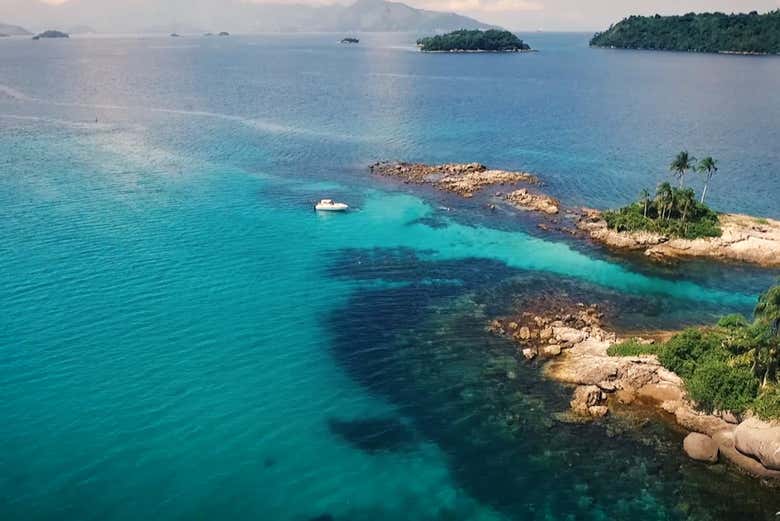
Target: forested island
point(751, 33)
point(51, 34)
point(492, 40)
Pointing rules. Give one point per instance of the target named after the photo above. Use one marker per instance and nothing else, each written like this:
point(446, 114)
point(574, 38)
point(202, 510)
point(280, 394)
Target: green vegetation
point(767, 405)
point(673, 212)
point(632, 347)
point(476, 40)
point(733, 366)
point(707, 32)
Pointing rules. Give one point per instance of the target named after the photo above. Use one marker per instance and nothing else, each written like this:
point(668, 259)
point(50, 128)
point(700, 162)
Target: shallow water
point(183, 337)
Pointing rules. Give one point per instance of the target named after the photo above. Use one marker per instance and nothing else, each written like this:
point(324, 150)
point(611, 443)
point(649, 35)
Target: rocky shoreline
point(571, 342)
point(744, 239)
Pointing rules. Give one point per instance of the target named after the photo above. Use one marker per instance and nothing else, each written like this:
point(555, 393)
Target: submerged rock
point(374, 434)
point(701, 447)
point(588, 400)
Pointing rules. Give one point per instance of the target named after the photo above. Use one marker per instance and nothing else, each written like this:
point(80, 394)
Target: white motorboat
point(329, 205)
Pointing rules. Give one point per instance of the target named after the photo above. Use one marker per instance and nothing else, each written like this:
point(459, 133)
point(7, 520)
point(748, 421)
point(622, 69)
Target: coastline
point(729, 53)
point(745, 239)
point(571, 342)
point(481, 51)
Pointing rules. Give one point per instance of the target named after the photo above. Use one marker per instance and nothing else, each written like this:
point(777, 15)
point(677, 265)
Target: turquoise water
point(183, 337)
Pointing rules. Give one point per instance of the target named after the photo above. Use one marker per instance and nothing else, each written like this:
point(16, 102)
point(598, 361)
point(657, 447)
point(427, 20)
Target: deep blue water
point(181, 337)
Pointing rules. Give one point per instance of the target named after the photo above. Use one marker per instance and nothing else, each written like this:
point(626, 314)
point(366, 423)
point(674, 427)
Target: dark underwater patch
point(424, 348)
point(374, 434)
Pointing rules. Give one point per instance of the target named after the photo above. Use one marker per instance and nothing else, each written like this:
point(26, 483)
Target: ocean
point(183, 337)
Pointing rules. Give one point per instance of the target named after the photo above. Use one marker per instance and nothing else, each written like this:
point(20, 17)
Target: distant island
point(492, 40)
point(751, 33)
point(51, 34)
point(350, 40)
point(13, 30)
point(224, 33)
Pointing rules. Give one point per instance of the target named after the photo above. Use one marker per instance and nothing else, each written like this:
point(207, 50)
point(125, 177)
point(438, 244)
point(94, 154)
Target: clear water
point(181, 337)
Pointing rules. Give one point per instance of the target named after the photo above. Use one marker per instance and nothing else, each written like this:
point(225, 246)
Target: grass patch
point(767, 405)
point(632, 347)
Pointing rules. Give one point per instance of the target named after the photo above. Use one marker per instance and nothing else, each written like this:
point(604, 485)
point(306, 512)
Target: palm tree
point(768, 312)
point(681, 164)
point(664, 198)
point(709, 167)
point(684, 199)
point(644, 196)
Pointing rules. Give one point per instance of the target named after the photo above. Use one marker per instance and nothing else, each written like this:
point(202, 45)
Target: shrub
point(735, 321)
point(767, 405)
point(632, 348)
point(717, 385)
point(690, 347)
point(700, 220)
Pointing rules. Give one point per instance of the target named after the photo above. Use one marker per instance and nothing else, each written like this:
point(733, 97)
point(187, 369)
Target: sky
point(584, 15)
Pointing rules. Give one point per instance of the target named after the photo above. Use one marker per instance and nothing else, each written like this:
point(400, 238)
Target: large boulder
point(701, 447)
point(759, 440)
point(588, 400)
point(569, 334)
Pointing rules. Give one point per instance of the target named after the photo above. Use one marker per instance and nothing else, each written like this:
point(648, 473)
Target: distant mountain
point(13, 30)
point(237, 16)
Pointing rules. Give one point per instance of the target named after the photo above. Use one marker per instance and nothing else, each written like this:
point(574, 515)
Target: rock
point(625, 396)
point(462, 179)
point(526, 200)
point(725, 441)
point(699, 422)
point(513, 326)
point(701, 447)
point(661, 392)
point(551, 350)
point(598, 411)
point(759, 440)
point(546, 333)
point(524, 333)
point(529, 353)
point(569, 334)
point(588, 400)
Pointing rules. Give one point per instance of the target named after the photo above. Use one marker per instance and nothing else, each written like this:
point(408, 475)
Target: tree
point(709, 167)
point(644, 195)
point(684, 199)
point(664, 198)
point(680, 166)
point(768, 318)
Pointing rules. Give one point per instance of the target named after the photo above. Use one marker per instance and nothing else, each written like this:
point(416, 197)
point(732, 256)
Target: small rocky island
point(350, 40)
point(751, 33)
point(492, 40)
point(730, 237)
point(51, 34)
point(706, 380)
